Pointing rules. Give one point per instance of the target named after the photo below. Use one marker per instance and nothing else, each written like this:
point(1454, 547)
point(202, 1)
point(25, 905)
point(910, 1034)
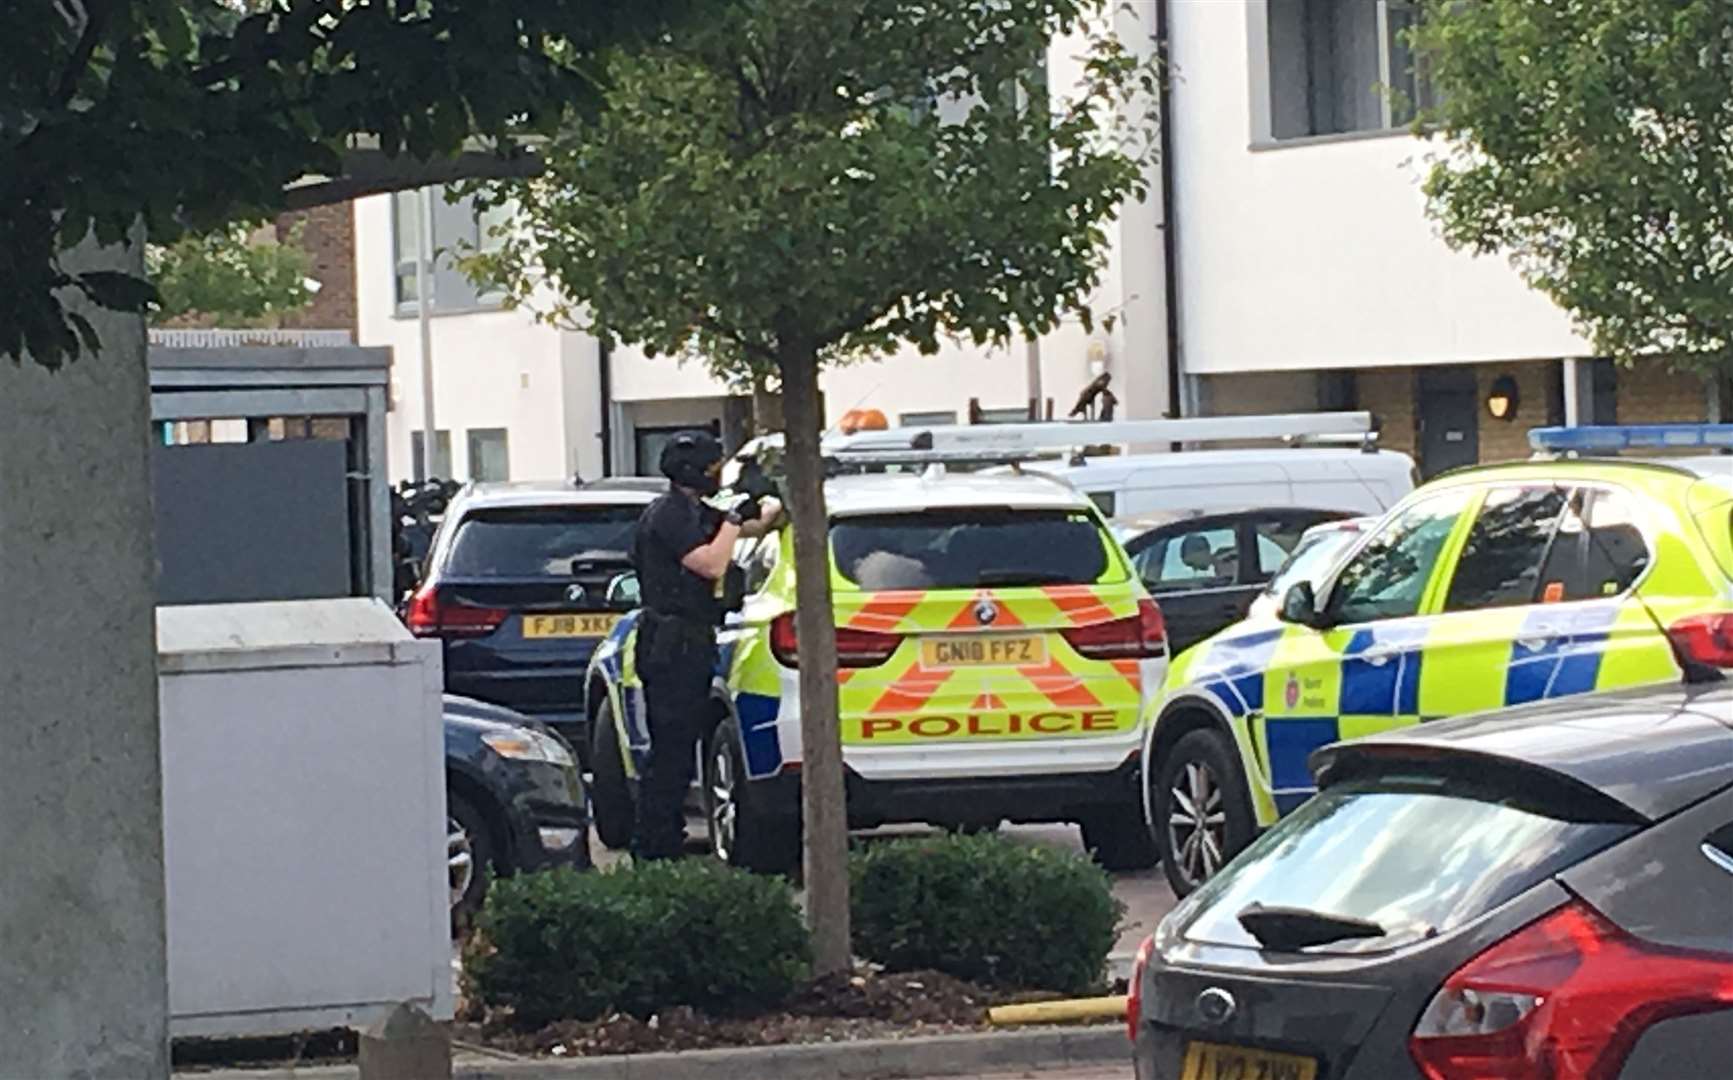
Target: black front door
point(1448, 406)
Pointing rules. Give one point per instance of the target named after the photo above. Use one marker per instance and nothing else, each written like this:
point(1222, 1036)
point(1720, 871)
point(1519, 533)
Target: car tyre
point(1119, 839)
point(1201, 815)
point(611, 805)
point(469, 854)
point(742, 831)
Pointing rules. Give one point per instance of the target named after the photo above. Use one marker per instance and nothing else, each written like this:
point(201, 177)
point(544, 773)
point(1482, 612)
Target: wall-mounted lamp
point(1504, 399)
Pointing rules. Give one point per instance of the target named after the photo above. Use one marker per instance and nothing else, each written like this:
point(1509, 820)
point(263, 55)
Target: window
point(1198, 559)
point(441, 455)
point(539, 541)
point(968, 549)
point(1311, 560)
point(1615, 553)
point(1276, 538)
point(489, 454)
point(1416, 858)
point(938, 418)
point(459, 229)
point(758, 558)
point(1387, 579)
point(1017, 415)
point(1338, 66)
point(1510, 550)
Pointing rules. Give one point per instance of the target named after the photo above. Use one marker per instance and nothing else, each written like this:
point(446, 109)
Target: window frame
point(471, 444)
point(403, 256)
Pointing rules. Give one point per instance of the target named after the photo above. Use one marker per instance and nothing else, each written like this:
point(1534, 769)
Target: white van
point(1351, 480)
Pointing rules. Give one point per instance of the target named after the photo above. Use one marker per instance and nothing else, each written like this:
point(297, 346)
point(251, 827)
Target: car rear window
point(1408, 856)
point(968, 549)
point(539, 541)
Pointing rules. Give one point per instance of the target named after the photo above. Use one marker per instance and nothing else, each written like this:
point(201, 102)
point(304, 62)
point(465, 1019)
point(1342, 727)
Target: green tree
point(796, 183)
point(1592, 141)
point(190, 113)
point(229, 275)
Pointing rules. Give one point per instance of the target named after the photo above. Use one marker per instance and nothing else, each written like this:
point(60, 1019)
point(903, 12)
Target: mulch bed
point(866, 1005)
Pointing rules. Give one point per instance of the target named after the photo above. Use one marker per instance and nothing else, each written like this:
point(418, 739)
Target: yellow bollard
point(1076, 1011)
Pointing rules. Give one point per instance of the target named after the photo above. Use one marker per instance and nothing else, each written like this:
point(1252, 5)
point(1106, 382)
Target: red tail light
point(428, 616)
point(1134, 991)
point(1707, 639)
point(1135, 638)
point(1566, 997)
point(854, 648)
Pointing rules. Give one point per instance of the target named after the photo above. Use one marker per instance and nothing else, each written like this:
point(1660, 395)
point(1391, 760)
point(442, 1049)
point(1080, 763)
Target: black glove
point(748, 511)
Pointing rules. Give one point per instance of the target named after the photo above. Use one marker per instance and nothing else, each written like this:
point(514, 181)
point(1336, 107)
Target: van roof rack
point(1062, 436)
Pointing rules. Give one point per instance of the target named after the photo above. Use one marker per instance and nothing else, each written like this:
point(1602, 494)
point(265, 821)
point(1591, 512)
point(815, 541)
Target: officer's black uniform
point(676, 650)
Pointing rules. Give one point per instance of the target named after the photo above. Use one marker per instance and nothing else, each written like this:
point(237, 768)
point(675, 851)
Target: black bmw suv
point(522, 581)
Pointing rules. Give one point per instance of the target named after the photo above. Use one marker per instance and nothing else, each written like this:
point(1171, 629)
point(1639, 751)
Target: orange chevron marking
point(1080, 605)
point(884, 612)
point(911, 692)
point(1060, 686)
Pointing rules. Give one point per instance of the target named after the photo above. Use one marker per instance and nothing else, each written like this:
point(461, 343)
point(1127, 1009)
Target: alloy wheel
point(724, 802)
point(459, 859)
point(1197, 822)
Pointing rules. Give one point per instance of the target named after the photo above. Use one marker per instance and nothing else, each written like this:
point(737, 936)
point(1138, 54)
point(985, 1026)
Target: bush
point(987, 909)
point(564, 945)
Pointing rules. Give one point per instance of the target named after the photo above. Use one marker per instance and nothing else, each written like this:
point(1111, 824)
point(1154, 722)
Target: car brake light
point(1134, 990)
point(854, 648)
point(1133, 638)
point(1707, 639)
point(1565, 997)
point(429, 616)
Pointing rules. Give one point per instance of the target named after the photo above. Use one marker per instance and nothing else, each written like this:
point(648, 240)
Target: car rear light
point(1566, 997)
point(854, 648)
point(1136, 637)
point(1707, 639)
point(1134, 990)
point(430, 616)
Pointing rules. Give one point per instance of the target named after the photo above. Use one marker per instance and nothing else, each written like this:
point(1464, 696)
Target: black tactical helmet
point(688, 459)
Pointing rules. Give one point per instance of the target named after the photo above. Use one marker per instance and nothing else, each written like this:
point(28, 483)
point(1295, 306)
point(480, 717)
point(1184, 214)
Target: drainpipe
point(423, 315)
point(1164, 113)
point(605, 385)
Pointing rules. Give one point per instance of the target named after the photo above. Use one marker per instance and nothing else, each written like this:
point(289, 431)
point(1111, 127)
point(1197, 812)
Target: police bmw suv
point(998, 657)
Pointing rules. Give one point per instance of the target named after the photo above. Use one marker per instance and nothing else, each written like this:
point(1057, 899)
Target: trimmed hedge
point(563, 945)
point(984, 908)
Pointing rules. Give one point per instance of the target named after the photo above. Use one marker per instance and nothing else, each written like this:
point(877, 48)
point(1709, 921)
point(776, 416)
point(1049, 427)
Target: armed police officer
point(682, 551)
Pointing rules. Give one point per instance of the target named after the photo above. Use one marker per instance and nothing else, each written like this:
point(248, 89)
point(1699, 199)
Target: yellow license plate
point(569, 626)
point(1212, 1061)
point(999, 651)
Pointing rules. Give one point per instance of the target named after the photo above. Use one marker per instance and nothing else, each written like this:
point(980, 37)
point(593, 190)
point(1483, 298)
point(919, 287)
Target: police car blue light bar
point(1582, 440)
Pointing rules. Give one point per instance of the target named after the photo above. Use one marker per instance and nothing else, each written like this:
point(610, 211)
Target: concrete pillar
point(83, 967)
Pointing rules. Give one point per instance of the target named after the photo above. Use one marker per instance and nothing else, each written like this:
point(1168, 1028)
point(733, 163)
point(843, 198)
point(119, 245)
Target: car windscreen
point(1311, 560)
point(969, 548)
point(539, 541)
point(1407, 855)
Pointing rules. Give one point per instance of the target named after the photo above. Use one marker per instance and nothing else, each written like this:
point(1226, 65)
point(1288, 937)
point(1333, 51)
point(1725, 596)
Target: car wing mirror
point(624, 591)
point(1300, 605)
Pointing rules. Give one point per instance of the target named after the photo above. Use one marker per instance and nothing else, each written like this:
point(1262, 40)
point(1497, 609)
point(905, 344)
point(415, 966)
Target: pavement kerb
point(874, 1059)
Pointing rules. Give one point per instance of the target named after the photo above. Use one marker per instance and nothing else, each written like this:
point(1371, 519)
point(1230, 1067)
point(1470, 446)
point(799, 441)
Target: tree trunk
point(822, 800)
point(83, 964)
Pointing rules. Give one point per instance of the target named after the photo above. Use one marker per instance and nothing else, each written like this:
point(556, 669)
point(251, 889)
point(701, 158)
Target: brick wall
point(1388, 394)
point(1651, 394)
point(328, 234)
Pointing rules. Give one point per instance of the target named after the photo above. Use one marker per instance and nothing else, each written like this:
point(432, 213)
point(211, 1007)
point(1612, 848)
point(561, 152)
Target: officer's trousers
point(676, 660)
